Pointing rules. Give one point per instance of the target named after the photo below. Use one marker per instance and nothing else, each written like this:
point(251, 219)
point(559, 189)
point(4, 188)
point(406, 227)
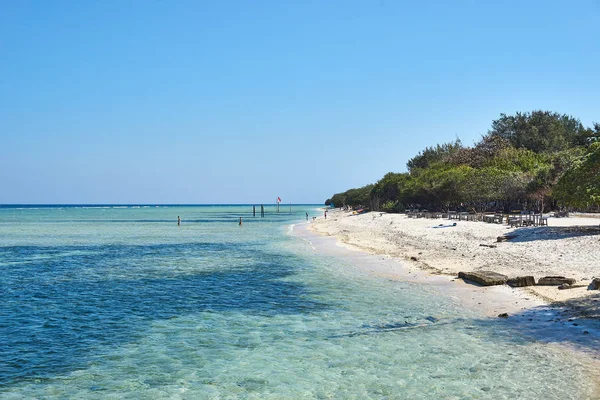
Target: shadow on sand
point(553, 233)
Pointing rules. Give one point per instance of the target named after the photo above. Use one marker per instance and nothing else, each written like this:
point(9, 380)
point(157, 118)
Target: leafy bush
point(392, 207)
point(580, 185)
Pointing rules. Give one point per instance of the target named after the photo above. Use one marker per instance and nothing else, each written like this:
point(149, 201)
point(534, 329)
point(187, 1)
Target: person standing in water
point(307, 216)
point(178, 221)
point(240, 221)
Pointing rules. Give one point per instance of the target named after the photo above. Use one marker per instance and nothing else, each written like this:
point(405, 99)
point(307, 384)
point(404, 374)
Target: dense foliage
point(580, 184)
point(352, 197)
point(536, 160)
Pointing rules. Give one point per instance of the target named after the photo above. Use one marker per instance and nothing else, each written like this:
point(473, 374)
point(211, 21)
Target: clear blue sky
point(243, 101)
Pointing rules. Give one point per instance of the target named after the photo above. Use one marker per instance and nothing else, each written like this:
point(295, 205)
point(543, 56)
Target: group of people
point(324, 215)
point(240, 222)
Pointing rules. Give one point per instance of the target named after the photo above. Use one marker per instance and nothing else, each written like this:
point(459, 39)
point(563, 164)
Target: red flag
point(279, 199)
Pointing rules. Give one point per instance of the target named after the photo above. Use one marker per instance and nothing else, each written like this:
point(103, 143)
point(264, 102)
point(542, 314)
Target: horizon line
point(152, 204)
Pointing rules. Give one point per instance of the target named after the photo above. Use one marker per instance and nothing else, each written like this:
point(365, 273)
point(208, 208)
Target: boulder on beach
point(555, 281)
point(564, 286)
point(521, 281)
point(595, 284)
point(484, 278)
point(505, 238)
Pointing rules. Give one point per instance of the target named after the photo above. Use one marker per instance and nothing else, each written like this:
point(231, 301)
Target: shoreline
point(472, 246)
point(529, 313)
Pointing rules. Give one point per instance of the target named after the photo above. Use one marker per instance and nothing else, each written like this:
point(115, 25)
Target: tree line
point(538, 160)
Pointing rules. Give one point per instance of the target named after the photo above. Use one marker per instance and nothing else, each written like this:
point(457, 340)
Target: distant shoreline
point(50, 205)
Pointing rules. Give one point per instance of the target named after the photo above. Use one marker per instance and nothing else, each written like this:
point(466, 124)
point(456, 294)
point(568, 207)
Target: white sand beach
point(397, 247)
point(558, 249)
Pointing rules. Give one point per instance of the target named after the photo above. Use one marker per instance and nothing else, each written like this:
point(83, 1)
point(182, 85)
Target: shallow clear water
point(123, 303)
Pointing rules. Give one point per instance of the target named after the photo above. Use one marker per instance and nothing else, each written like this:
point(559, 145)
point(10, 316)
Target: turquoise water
point(122, 303)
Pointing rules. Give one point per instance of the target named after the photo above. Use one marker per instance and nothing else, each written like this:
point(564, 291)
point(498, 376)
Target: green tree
point(352, 197)
point(479, 155)
point(389, 189)
point(337, 200)
point(541, 156)
point(434, 154)
point(579, 186)
point(540, 131)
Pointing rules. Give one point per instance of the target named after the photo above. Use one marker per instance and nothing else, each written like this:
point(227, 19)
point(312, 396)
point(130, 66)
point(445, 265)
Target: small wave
point(290, 229)
point(31, 208)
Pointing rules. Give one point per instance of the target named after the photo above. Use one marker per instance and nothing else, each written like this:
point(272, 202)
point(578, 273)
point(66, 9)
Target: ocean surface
point(115, 302)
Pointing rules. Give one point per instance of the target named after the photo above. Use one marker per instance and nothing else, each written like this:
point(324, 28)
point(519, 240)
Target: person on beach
point(307, 216)
point(240, 221)
point(178, 221)
point(325, 213)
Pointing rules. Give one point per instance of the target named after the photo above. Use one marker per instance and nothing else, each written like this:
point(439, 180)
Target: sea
point(119, 302)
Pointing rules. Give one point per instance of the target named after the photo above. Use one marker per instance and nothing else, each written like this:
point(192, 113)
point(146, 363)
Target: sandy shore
point(563, 248)
point(388, 244)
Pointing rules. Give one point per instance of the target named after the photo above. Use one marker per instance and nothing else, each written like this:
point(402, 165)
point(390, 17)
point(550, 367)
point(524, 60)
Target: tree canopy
point(351, 197)
point(540, 131)
point(530, 160)
point(580, 185)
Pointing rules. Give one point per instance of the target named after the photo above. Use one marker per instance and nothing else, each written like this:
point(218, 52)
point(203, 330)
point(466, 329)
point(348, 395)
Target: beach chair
point(515, 221)
point(528, 220)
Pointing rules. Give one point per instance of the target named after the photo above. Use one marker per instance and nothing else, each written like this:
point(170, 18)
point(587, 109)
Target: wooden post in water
point(262, 210)
point(254, 211)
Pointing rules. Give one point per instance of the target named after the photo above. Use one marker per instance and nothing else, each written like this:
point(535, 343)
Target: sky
point(243, 101)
